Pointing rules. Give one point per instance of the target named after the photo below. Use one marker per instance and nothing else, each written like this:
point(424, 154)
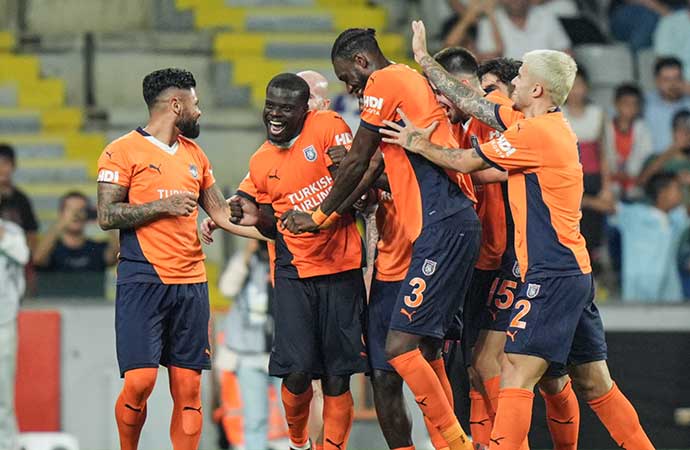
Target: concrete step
point(39, 150)
point(51, 171)
point(8, 95)
point(20, 123)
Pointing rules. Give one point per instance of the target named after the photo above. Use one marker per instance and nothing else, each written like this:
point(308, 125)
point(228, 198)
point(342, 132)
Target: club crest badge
point(533, 290)
point(194, 171)
point(516, 269)
point(310, 153)
point(429, 267)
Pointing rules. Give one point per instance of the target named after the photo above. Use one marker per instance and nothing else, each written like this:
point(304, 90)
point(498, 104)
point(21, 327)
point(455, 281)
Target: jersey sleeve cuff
point(245, 195)
point(497, 112)
point(478, 149)
point(369, 126)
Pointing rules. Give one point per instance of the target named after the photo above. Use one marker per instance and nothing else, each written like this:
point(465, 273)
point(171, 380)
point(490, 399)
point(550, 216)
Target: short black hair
point(657, 183)
point(505, 69)
point(627, 89)
point(353, 41)
point(680, 118)
point(667, 61)
point(457, 60)
point(160, 80)
point(290, 82)
point(73, 194)
point(7, 152)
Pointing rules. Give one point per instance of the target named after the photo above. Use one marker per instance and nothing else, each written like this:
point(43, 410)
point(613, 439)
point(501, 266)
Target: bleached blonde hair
point(556, 70)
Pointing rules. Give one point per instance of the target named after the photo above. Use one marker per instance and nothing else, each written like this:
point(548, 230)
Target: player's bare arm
point(245, 212)
point(417, 140)
point(115, 213)
point(463, 96)
point(218, 209)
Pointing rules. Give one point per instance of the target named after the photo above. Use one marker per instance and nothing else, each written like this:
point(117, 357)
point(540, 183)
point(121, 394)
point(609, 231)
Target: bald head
point(318, 89)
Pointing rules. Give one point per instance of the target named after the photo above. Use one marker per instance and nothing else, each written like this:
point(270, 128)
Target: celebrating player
point(554, 321)
point(318, 278)
point(435, 215)
point(150, 182)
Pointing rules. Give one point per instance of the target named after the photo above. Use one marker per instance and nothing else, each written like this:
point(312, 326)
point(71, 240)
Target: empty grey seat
point(607, 65)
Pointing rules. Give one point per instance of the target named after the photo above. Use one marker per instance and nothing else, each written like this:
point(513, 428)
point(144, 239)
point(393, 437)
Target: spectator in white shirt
point(522, 28)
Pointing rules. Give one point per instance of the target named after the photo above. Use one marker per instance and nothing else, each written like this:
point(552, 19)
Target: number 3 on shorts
point(523, 306)
point(418, 287)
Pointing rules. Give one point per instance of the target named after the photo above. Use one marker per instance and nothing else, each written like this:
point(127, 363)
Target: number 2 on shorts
point(523, 306)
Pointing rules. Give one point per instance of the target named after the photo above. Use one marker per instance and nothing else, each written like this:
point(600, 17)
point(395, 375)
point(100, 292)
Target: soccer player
point(435, 215)
point(554, 320)
point(497, 74)
point(150, 183)
point(318, 278)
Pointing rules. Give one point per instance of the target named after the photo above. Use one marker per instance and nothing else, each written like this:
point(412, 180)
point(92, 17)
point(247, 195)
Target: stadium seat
point(607, 65)
point(47, 441)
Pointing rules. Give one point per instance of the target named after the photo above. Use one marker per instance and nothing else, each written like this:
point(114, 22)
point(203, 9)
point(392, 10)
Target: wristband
point(333, 218)
point(318, 216)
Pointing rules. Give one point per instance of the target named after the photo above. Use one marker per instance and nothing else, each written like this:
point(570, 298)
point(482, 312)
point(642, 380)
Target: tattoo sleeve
point(115, 213)
point(461, 160)
point(464, 97)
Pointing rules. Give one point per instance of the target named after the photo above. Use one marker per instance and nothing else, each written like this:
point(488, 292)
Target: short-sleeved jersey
point(299, 178)
point(497, 248)
point(545, 190)
point(166, 250)
point(394, 249)
point(423, 192)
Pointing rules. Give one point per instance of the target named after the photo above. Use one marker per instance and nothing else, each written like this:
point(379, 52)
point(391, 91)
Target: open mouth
point(276, 127)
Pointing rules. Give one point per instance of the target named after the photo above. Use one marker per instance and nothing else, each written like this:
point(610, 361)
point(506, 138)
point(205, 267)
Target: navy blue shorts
point(162, 324)
point(434, 289)
point(382, 299)
point(318, 325)
point(556, 319)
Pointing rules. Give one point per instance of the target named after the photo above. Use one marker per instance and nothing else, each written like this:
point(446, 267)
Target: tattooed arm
point(115, 213)
point(417, 140)
point(463, 96)
point(218, 209)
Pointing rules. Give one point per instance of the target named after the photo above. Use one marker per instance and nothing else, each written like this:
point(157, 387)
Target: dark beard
point(189, 128)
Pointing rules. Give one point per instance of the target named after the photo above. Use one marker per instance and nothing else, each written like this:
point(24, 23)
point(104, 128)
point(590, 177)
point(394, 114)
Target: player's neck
point(539, 109)
point(165, 132)
point(73, 240)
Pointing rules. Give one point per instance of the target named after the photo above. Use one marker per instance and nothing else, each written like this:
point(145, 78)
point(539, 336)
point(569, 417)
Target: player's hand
point(182, 204)
point(419, 40)
point(243, 211)
point(337, 154)
point(207, 228)
point(408, 136)
point(298, 222)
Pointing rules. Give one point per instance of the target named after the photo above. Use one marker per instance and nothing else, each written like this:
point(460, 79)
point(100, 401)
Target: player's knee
point(553, 385)
point(297, 382)
point(386, 384)
point(591, 380)
point(398, 343)
point(139, 384)
point(431, 348)
point(335, 385)
point(476, 381)
point(486, 366)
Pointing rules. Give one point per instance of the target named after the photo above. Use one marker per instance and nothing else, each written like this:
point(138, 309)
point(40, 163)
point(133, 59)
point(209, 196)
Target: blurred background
point(70, 82)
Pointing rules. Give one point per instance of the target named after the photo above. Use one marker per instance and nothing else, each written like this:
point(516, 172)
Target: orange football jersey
point(166, 250)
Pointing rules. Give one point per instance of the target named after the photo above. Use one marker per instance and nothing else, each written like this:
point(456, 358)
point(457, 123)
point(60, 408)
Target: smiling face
point(354, 73)
point(284, 114)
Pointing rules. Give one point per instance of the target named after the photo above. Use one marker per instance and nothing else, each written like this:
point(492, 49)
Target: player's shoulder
point(129, 140)
point(498, 97)
point(390, 76)
point(320, 118)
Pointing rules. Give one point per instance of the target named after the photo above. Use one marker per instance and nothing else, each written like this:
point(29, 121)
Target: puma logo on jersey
point(157, 169)
point(110, 155)
point(274, 175)
point(108, 176)
point(407, 314)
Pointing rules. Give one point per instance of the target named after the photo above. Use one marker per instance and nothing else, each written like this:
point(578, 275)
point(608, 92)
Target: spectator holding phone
point(676, 158)
point(65, 247)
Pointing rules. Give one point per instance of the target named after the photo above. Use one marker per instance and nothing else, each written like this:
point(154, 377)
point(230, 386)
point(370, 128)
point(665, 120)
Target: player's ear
point(361, 60)
point(176, 105)
point(537, 90)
